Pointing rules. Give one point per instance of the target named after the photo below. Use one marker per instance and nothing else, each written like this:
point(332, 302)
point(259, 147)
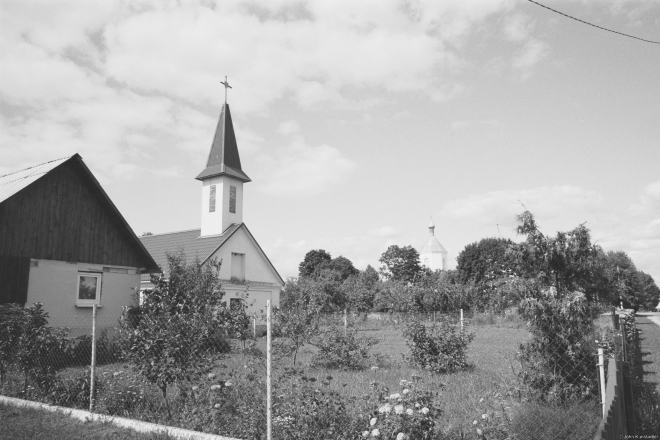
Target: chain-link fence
point(526, 374)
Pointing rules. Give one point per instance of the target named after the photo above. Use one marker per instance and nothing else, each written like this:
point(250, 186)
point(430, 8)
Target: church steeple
point(222, 179)
point(433, 255)
point(223, 157)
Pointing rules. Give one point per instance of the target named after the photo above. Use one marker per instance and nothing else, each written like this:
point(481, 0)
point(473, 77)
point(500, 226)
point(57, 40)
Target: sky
point(355, 120)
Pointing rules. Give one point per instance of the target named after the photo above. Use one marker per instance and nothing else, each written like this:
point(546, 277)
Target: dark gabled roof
point(223, 157)
point(14, 183)
point(190, 242)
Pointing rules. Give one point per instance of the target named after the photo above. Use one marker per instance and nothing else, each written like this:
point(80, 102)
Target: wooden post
point(461, 320)
point(601, 369)
point(254, 325)
point(434, 316)
point(93, 363)
point(345, 320)
point(269, 391)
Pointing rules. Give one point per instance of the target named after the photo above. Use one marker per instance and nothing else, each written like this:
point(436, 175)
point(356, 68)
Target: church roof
point(193, 245)
point(223, 157)
point(433, 245)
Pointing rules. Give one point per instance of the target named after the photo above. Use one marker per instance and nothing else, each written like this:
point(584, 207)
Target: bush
point(344, 349)
point(411, 414)
point(558, 364)
point(438, 348)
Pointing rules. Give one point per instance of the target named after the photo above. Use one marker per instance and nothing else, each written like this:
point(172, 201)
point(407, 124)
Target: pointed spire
point(223, 157)
point(432, 227)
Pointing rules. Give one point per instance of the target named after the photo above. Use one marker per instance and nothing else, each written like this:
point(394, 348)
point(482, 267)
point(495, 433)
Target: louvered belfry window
point(212, 199)
point(232, 199)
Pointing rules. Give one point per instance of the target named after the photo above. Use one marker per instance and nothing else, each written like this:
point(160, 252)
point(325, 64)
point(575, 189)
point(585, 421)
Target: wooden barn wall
point(14, 277)
point(62, 216)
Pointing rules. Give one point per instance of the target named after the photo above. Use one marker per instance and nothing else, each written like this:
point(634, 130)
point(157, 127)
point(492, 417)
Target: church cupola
point(222, 179)
point(433, 255)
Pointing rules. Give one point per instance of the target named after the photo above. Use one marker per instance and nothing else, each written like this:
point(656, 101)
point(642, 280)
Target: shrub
point(438, 348)
point(411, 414)
point(72, 389)
point(557, 364)
point(343, 349)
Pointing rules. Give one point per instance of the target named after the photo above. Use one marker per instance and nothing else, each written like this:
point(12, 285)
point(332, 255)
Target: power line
point(594, 25)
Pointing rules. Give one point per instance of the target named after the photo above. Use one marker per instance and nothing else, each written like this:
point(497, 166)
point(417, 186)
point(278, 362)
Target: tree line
point(491, 275)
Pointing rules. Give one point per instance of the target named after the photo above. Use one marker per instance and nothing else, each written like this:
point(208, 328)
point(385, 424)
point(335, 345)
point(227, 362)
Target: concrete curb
point(146, 427)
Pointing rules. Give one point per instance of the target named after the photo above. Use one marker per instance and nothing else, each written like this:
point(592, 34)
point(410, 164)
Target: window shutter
point(232, 199)
point(212, 199)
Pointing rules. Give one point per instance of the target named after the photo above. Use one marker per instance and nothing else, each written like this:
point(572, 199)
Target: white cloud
point(288, 127)
point(385, 231)
point(299, 169)
point(531, 53)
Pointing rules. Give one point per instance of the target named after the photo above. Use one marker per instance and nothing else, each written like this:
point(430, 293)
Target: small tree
point(439, 348)
point(400, 263)
point(297, 320)
point(167, 340)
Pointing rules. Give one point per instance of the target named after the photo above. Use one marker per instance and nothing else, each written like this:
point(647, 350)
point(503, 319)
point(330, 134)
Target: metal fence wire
point(523, 378)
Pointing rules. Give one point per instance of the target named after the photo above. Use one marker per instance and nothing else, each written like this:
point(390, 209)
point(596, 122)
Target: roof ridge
point(170, 233)
point(34, 166)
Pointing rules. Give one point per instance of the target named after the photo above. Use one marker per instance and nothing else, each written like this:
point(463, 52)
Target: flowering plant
point(411, 413)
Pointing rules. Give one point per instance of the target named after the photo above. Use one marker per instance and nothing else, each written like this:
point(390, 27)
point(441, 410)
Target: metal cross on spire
point(227, 86)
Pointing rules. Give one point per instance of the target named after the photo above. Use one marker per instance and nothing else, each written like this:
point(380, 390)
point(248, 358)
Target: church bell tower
point(222, 179)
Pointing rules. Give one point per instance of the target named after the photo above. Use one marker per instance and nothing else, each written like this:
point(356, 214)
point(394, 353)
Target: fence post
point(601, 369)
point(345, 320)
point(434, 316)
point(461, 320)
point(254, 325)
point(269, 403)
point(93, 363)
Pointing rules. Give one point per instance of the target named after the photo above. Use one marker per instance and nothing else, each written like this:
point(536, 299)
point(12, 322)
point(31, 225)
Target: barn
point(65, 244)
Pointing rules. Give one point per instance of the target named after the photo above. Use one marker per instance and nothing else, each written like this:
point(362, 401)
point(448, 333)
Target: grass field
point(485, 396)
point(32, 424)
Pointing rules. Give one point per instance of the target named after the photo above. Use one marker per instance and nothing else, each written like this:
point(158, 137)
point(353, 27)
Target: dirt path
point(649, 327)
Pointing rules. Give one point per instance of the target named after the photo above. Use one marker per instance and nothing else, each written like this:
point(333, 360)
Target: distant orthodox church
point(433, 255)
point(245, 267)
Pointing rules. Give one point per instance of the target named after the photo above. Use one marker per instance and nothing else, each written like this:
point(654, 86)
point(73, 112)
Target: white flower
point(385, 408)
point(417, 405)
point(401, 436)
point(211, 375)
point(215, 387)
point(425, 410)
point(406, 391)
point(195, 388)
point(479, 431)
point(375, 432)
point(373, 421)
point(228, 384)
point(365, 434)
point(399, 409)
point(375, 368)
point(484, 416)
point(409, 411)
point(395, 396)
point(216, 406)
point(475, 422)
point(403, 382)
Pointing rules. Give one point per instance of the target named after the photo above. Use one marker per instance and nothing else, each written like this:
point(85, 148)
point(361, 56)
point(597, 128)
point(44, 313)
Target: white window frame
point(89, 302)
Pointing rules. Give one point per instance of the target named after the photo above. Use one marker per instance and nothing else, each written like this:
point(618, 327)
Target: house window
point(212, 199)
point(88, 291)
point(237, 267)
point(232, 199)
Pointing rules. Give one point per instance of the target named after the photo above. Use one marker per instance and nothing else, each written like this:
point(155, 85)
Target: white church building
point(245, 270)
point(433, 255)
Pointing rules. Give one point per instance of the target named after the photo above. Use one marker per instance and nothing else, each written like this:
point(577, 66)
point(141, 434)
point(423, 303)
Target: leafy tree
point(361, 289)
point(312, 261)
point(566, 262)
point(297, 320)
point(167, 339)
point(400, 264)
point(342, 265)
point(649, 291)
point(484, 260)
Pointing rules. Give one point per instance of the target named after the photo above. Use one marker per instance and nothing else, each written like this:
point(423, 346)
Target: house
point(65, 244)
point(246, 271)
